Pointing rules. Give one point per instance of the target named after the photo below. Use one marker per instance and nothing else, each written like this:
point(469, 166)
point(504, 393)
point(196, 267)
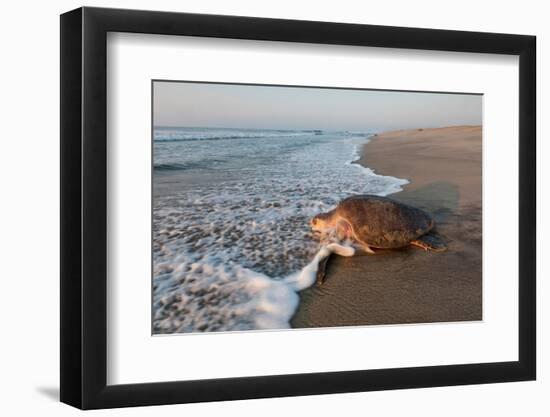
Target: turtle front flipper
point(366, 248)
point(322, 271)
point(430, 241)
point(333, 248)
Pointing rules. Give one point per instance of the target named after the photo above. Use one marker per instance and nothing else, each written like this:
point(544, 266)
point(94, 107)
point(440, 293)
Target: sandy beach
point(443, 167)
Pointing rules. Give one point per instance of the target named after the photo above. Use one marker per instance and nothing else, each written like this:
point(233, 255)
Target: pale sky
point(188, 104)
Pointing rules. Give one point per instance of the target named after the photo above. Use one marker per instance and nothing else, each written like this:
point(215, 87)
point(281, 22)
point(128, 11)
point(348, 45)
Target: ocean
point(231, 211)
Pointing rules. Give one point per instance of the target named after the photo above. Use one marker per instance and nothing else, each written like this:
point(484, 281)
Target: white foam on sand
point(234, 298)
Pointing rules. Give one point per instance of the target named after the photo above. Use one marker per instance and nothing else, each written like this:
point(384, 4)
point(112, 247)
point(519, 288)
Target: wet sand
point(410, 285)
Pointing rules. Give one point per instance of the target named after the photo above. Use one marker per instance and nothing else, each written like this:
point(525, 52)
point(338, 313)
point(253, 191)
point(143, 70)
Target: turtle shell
point(382, 222)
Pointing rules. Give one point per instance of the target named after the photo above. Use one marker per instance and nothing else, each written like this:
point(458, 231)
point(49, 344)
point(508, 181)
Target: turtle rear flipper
point(430, 241)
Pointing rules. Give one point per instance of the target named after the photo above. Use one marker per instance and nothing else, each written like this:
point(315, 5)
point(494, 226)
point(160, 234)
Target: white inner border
point(134, 356)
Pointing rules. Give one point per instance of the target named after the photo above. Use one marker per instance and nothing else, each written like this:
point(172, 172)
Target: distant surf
point(168, 134)
point(231, 221)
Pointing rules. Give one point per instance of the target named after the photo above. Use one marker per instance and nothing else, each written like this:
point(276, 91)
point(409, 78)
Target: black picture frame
point(84, 207)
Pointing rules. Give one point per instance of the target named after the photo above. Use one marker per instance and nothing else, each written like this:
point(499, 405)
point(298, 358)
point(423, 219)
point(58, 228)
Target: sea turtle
point(371, 221)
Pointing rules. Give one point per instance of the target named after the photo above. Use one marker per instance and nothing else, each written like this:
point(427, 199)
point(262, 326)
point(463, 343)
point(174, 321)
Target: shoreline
point(410, 285)
point(433, 151)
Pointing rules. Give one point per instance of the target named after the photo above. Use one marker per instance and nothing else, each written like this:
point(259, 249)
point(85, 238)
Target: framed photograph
point(256, 207)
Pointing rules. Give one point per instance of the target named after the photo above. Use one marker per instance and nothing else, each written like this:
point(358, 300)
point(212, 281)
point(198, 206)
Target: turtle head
point(322, 222)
